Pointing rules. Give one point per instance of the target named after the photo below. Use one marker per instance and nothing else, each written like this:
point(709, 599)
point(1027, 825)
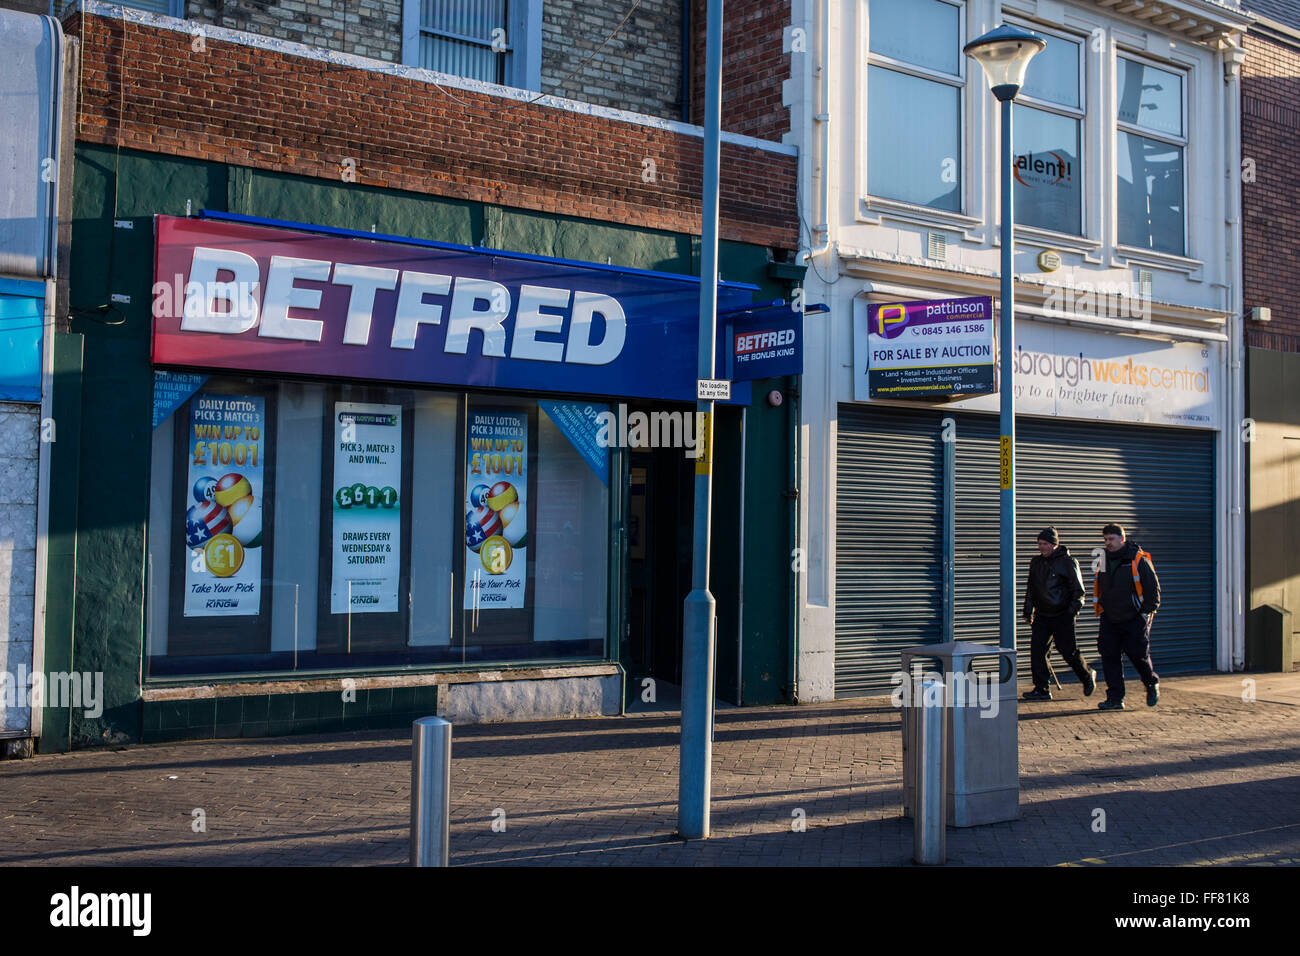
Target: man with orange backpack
point(1126, 595)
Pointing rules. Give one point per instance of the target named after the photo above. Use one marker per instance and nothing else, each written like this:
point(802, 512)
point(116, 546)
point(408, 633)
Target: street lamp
point(1005, 52)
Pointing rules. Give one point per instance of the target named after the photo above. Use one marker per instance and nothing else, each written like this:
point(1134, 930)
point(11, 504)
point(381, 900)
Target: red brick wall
point(146, 89)
point(1270, 135)
point(753, 66)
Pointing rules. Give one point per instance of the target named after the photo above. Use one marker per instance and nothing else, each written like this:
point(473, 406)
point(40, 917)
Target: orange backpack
point(1137, 581)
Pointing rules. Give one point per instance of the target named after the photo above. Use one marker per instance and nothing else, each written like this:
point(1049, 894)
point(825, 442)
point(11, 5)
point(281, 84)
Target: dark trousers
point(1044, 628)
point(1127, 637)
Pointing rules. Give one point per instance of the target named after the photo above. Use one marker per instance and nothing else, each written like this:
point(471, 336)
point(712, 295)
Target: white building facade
point(1128, 318)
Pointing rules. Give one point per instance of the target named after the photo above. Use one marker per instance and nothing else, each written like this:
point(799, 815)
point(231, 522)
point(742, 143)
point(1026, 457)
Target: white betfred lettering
point(232, 306)
point(365, 281)
point(203, 290)
point(463, 316)
point(412, 310)
point(529, 320)
point(282, 295)
point(759, 341)
point(580, 349)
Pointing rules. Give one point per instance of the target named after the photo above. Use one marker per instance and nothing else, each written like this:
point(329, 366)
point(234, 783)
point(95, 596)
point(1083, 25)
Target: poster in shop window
point(496, 509)
point(223, 505)
point(367, 537)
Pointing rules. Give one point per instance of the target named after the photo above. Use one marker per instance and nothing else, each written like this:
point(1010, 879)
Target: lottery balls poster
point(496, 509)
point(223, 499)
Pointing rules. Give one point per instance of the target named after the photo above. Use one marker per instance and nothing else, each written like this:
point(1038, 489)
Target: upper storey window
point(466, 38)
point(1151, 148)
point(1047, 134)
point(915, 78)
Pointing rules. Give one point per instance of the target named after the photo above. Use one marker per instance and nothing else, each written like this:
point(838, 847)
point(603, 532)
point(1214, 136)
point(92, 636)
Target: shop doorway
point(660, 509)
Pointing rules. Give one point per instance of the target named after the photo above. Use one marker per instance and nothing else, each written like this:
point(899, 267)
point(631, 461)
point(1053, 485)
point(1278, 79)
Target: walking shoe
point(1037, 694)
point(1111, 705)
point(1153, 695)
point(1089, 683)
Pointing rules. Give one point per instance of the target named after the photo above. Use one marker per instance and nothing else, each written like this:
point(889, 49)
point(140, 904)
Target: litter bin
point(983, 765)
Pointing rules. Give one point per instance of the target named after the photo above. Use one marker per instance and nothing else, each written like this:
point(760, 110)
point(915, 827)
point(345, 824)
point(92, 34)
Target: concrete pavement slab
point(1205, 777)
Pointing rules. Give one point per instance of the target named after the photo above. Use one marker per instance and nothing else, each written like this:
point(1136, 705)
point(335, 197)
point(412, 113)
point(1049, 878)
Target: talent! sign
point(936, 348)
point(244, 297)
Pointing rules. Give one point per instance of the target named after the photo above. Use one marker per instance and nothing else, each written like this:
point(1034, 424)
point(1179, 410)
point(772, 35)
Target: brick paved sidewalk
point(1202, 778)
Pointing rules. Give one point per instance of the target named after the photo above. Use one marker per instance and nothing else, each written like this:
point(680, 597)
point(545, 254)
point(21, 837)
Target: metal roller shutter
point(1157, 482)
point(889, 520)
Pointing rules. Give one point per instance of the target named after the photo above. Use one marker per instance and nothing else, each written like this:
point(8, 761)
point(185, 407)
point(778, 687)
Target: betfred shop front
point(397, 469)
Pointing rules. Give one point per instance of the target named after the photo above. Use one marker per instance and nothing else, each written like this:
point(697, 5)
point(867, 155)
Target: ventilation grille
point(1144, 283)
point(936, 246)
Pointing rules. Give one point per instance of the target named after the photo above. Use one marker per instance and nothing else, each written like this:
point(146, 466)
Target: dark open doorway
point(660, 507)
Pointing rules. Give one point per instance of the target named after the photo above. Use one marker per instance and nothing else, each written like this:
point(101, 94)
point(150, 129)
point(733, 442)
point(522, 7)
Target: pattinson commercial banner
point(367, 540)
point(496, 525)
point(223, 502)
point(934, 348)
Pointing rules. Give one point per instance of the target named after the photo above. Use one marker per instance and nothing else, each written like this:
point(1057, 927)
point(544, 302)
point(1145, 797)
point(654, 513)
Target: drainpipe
point(807, 174)
point(823, 121)
point(792, 494)
point(686, 61)
point(1233, 657)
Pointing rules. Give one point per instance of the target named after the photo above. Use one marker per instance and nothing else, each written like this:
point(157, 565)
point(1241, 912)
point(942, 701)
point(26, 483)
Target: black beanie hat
point(1049, 535)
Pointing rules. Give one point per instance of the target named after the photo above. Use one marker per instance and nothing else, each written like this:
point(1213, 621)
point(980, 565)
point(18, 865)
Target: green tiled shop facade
point(100, 466)
point(278, 715)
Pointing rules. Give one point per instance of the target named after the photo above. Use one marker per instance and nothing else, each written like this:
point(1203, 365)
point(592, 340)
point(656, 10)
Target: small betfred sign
point(768, 346)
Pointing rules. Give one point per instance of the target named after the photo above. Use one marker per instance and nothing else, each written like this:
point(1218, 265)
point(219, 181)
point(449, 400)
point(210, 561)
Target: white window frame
point(1079, 114)
point(175, 8)
point(524, 65)
point(1185, 73)
point(931, 215)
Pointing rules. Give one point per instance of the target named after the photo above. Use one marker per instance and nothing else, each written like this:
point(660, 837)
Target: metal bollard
point(430, 790)
point(929, 816)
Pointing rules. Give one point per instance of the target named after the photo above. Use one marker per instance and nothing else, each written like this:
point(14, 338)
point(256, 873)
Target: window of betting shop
point(298, 526)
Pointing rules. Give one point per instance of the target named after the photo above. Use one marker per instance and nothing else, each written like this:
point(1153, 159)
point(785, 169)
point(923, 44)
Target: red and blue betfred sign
point(766, 341)
point(237, 295)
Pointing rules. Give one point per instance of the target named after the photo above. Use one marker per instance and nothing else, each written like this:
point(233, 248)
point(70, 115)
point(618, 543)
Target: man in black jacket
point(1053, 597)
point(1126, 607)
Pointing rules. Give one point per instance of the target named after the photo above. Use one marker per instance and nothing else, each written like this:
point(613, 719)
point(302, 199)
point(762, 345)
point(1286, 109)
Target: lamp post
point(1005, 52)
point(699, 621)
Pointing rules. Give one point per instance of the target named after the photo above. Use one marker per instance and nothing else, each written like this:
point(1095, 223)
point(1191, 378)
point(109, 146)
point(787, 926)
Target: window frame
point(1078, 114)
point(524, 59)
point(233, 666)
point(1183, 143)
point(175, 8)
point(960, 82)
